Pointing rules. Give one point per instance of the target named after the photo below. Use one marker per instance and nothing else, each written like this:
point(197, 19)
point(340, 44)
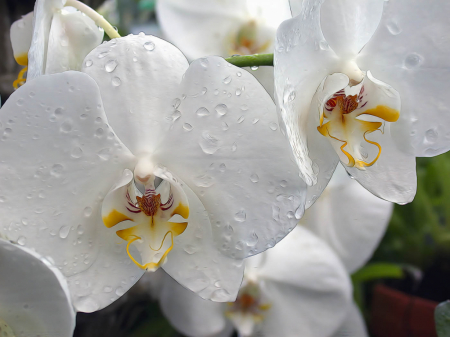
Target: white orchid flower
point(222, 27)
point(53, 38)
point(364, 83)
point(298, 288)
point(350, 219)
point(34, 297)
point(209, 132)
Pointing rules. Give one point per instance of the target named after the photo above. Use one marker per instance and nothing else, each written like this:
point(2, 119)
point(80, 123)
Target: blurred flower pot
point(397, 314)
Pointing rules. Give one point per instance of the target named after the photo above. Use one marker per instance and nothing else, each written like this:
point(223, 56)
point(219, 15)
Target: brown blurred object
point(10, 11)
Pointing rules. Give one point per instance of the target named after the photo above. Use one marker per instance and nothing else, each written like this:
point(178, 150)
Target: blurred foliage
point(419, 232)
point(442, 318)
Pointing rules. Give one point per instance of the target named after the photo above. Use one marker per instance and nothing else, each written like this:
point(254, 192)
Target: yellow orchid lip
point(153, 231)
point(245, 42)
point(249, 302)
point(342, 124)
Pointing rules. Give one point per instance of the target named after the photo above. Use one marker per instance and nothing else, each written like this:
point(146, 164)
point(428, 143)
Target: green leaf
point(442, 319)
point(375, 271)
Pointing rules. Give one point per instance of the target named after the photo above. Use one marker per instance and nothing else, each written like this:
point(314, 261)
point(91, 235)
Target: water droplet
point(104, 154)
point(222, 167)
point(234, 147)
point(76, 152)
point(204, 62)
point(283, 183)
point(221, 109)
point(80, 230)
point(239, 245)
point(220, 295)
point(273, 126)
point(107, 289)
point(204, 181)
point(2, 199)
point(413, 60)
point(393, 28)
point(291, 96)
point(238, 92)
point(244, 107)
point(228, 231)
point(240, 216)
point(20, 101)
point(276, 213)
point(253, 240)
point(22, 240)
point(323, 45)
point(227, 80)
point(202, 112)
point(66, 126)
point(57, 170)
point(32, 94)
point(187, 126)
point(224, 126)
point(254, 68)
point(99, 132)
point(254, 178)
point(103, 54)
point(176, 103)
point(290, 215)
point(431, 135)
point(120, 291)
point(239, 74)
point(110, 66)
point(116, 81)
point(88, 63)
point(64, 232)
point(149, 45)
point(240, 119)
point(135, 59)
point(87, 212)
point(209, 143)
point(190, 249)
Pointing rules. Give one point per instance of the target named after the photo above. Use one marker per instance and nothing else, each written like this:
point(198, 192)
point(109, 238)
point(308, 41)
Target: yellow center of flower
point(248, 303)
point(154, 229)
point(5, 329)
point(248, 41)
point(342, 124)
point(21, 59)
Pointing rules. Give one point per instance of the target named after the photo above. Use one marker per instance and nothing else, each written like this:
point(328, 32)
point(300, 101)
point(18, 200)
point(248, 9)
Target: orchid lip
point(153, 212)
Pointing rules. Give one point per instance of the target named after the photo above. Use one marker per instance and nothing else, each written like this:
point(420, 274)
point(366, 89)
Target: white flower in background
point(224, 27)
point(364, 83)
point(350, 219)
point(34, 298)
point(187, 168)
point(298, 288)
point(52, 39)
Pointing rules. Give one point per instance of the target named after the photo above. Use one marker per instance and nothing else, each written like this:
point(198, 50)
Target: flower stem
point(98, 19)
point(256, 60)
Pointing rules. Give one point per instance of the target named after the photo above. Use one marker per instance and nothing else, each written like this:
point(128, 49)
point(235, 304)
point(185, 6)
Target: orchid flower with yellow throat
point(56, 37)
point(364, 83)
point(141, 161)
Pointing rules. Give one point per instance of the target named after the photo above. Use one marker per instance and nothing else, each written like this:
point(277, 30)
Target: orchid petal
point(227, 147)
point(33, 295)
point(410, 51)
point(72, 36)
point(201, 27)
point(350, 219)
point(188, 313)
point(59, 159)
point(21, 33)
point(307, 286)
point(37, 55)
point(197, 264)
point(354, 325)
point(138, 77)
point(272, 13)
point(348, 24)
point(302, 61)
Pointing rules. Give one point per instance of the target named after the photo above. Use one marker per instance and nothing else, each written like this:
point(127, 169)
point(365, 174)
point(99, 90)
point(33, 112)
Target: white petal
point(302, 60)
point(21, 33)
point(138, 77)
point(43, 15)
point(200, 28)
point(60, 158)
point(307, 286)
point(188, 313)
point(350, 219)
point(348, 24)
point(227, 147)
point(72, 36)
point(33, 295)
point(296, 7)
point(272, 13)
point(410, 51)
point(354, 325)
point(196, 262)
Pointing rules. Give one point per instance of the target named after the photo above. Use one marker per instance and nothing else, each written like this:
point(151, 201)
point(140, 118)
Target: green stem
point(256, 60)
point(97, 18)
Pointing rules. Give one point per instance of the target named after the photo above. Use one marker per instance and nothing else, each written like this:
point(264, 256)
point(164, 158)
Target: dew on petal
point(240, 216)
point(150, 46)
point(110, 66)
point(64, 232)
point(221, 109)
point(202, 112)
